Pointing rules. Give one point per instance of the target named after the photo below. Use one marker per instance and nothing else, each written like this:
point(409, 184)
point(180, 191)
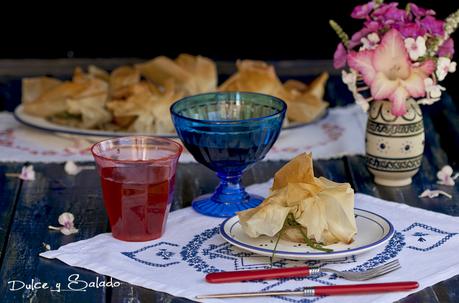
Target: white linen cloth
point(340, 133)
point(425, 242)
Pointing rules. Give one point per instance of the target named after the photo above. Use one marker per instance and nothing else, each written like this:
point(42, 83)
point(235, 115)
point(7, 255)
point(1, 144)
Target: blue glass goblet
point(228, 132)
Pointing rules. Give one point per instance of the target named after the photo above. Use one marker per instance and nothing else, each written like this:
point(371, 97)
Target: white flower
point(444, 66)
point(445, 176)
point(373, 38)
point(416, 48)
point(27, 173)
point(427, 101)
point(350, 79)
point(433, 90)
point(362, 102)
point(434, 193)
point(66, 220)
point(370, 41)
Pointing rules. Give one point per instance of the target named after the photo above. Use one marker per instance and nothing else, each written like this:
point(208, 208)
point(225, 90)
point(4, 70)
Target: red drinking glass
point(137, 175)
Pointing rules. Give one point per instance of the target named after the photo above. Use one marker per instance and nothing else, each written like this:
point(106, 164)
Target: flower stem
point(340, 32)
point(451, 24)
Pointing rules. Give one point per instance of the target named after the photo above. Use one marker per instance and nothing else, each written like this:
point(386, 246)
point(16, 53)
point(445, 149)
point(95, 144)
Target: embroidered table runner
point(426, 243)
point(340, 133)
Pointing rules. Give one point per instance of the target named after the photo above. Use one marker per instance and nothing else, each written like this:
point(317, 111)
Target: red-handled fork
point(303, 271)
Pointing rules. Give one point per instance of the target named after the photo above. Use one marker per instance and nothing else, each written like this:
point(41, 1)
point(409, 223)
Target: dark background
point(220, 30)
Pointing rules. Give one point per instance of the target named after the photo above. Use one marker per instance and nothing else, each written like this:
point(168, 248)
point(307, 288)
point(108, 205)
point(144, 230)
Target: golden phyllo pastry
point(323, 210)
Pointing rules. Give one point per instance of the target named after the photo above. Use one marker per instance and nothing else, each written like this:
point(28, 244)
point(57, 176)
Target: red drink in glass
point(137, 175)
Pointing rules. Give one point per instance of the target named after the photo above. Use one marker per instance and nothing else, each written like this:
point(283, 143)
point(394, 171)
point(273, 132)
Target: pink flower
point(394, 14)
point(339, 59)
point(370, 27)
point(411, 29)
point(362, 11)
point(420, 12)
point(383, 8)
point(433, 26)
point(446, 49)
point(388, 71)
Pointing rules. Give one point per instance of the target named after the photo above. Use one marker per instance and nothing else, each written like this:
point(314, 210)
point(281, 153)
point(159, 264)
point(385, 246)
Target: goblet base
point(207, 206)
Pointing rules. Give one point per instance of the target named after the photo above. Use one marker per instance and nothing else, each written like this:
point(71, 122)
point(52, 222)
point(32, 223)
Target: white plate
point(43, 124)
point(372, 231)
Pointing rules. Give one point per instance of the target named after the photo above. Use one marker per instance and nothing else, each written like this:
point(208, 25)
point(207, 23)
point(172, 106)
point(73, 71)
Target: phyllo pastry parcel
point(303, 208)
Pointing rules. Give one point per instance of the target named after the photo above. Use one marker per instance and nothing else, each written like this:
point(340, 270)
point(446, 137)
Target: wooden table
point(27, 208)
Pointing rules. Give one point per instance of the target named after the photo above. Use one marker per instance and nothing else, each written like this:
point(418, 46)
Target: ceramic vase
point(394, 145)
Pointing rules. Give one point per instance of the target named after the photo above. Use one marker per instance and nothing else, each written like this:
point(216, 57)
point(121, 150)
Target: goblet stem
point(230, 190)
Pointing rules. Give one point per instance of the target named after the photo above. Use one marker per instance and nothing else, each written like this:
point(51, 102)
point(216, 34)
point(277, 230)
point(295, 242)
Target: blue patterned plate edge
point(388, 232)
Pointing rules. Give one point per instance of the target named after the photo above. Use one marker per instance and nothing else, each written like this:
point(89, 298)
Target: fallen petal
point(447, 181)
point(27, 173)
point(445, 170)
point(66, 218)
point(434, 193)
point(71, 168)
point(68, 231)
point(46, 246)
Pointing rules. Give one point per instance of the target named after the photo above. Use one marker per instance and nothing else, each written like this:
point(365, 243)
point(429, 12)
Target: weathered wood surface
point(38, 205)
point(27, 208)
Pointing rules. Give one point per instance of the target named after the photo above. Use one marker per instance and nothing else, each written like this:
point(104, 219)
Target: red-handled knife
point(354, 289)
point(260, 274)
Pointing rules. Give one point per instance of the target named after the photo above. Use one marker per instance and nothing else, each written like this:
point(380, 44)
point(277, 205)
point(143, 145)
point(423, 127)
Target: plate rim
point(375, 244)
point(21, 117)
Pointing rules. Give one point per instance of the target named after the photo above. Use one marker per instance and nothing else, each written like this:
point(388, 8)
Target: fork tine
point(388, 264)
point(381, 269)
point(369, 274)
point(375, 272)
point(388, 270)
point(384, 266)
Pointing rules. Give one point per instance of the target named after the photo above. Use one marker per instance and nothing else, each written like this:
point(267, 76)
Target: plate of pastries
point(136, 98)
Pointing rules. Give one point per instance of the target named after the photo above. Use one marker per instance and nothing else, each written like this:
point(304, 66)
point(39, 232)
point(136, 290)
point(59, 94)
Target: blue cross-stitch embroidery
point(205, 252)
point(392, 249)
point(190, 252)
point(163, 252)
point(427, 241)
